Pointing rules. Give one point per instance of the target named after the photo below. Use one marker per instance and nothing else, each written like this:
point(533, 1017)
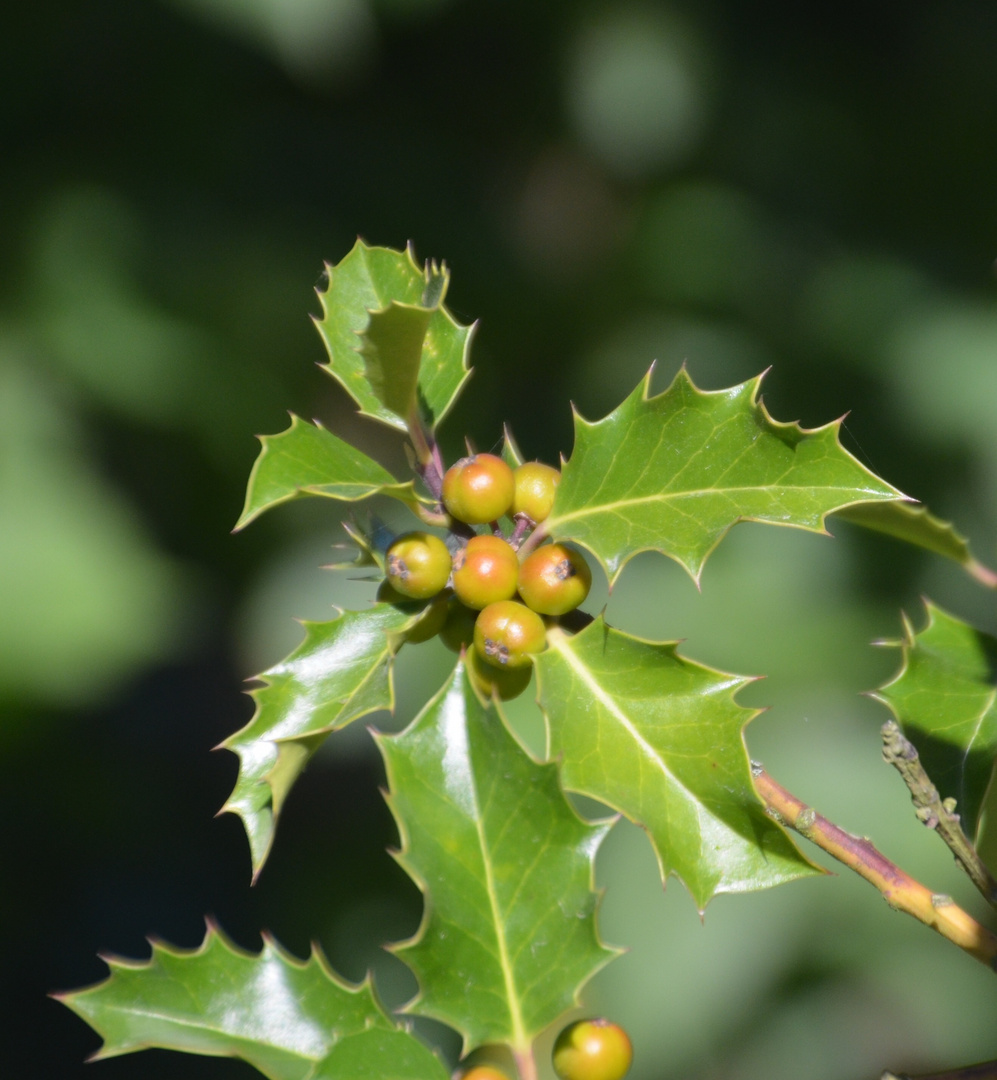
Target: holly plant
point(497, 559)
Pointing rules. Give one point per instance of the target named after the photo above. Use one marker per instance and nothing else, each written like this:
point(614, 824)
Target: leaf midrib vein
point(584, 673)
point(668, 496)
point(519, 1033)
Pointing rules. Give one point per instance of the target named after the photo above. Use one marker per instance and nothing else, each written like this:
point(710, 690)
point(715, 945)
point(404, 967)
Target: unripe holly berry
point(418, 565)
point(484, 571)
point(534, 488)
point(478, 489)
point(592, 1050)
point(458, 630)
point(508, 635)
point(554, 579)
point(433, 617)
point(504, 682)
point(484, 1072)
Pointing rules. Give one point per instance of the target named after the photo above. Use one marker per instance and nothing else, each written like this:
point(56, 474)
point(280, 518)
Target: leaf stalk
point(983, 574)
point(900, 890)
point(526, 1064)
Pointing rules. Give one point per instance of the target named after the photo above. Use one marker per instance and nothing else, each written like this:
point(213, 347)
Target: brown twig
point(933, 811)
point(900, 890)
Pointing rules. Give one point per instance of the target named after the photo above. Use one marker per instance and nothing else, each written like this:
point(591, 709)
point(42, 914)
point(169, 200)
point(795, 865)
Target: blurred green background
point(727, 184)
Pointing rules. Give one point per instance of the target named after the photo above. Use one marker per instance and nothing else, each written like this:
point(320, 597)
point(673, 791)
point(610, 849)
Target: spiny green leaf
point(391, 348)
point(380, 1055)
point(659, 738)
point(917, 525)
point(280, 1014)
point(376, 300)
point(673, 473)
point(340, 672)
point(509, 936)
point(945, 699)
point(308, 460)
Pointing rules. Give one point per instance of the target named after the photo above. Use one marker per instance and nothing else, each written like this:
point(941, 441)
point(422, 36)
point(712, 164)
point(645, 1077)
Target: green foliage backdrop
point(725, 185)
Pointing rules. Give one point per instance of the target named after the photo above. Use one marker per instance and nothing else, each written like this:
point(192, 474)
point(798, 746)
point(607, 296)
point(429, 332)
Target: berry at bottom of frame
point(554, 579)
point(509, 635)
point(535, 485)
point(485, 570)
point(418, 565)
point(484, 1072)
point(491, 681)
point(478, 489)
point(592, 1050)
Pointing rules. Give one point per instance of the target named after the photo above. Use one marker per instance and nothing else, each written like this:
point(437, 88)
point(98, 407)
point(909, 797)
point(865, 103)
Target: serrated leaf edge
point(213, 934)
point(739, 682)
point(403, 490)
point(600, 829)
point(388, 417)
point(552, 523)
point(394, 639)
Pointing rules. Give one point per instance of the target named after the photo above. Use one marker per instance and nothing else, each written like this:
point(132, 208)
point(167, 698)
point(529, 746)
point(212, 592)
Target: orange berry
point(554, 579)
point(478, 489)
point(508, 635)
point(484, 571)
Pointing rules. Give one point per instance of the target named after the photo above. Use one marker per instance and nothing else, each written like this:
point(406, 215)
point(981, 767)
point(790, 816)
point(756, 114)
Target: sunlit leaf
point(389, 337)
point(674, 472)
point(916, 525)
point(280, 1014)
point(659, 738)
point(511, 454)
point(391, 348)
point(945, 699)
point(308, 460)
point(378, 1054)
point(340, 672)
point(508, 937)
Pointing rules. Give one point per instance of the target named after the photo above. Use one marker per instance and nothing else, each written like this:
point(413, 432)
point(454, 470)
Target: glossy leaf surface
point(509, 936)
point(280, 1014)
point(340, 672)
point(916, 525)
point(659, 738)
point(674, 472)
point(945, 699)
point(373, 309)
point(378, 1054)
point(308, 460)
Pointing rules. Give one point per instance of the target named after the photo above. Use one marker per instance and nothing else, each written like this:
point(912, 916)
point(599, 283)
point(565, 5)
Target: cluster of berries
point(585, 1050)
point(498, 603)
